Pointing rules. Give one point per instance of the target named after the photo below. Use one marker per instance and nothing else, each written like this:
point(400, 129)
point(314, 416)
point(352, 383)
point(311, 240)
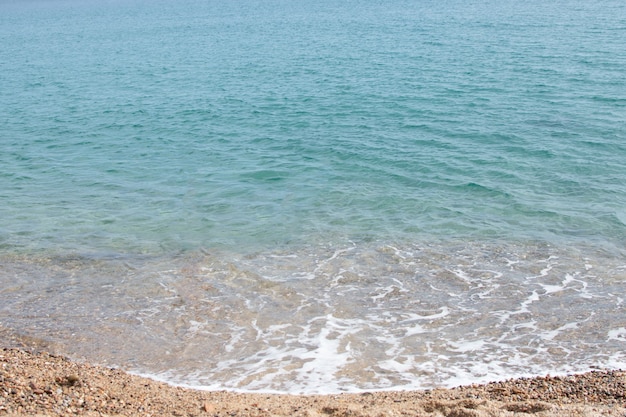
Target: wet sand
point(43, 384)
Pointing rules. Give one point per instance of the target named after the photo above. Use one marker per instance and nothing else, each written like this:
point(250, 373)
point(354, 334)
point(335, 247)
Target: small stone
point(208, 407)
point(73, 379)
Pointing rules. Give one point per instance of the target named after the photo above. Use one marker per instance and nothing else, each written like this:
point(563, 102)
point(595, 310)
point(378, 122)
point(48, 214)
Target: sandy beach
point(43, 384)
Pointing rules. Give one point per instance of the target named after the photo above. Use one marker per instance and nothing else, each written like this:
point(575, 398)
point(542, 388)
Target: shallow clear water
point(269, 195)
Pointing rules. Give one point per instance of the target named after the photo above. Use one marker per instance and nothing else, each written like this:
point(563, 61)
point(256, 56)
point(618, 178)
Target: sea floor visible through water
point(328, 319)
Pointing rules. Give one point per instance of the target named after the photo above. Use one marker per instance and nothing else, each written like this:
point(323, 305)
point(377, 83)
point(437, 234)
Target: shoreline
point(39, 383)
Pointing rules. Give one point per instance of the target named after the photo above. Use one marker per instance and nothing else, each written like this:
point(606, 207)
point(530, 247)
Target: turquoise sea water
point(309, 196)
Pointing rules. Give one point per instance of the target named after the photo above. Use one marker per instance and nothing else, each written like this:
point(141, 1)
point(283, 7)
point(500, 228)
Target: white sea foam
point(618, 334)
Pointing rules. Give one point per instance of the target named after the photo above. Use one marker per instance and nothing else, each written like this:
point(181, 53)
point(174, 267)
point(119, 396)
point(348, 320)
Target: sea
point(321, 196)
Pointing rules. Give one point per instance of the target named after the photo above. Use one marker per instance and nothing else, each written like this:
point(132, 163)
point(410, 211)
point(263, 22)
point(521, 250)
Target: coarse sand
point(42, 384)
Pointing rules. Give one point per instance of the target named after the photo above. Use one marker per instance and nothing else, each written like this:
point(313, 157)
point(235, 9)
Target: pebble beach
point(44, 384)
